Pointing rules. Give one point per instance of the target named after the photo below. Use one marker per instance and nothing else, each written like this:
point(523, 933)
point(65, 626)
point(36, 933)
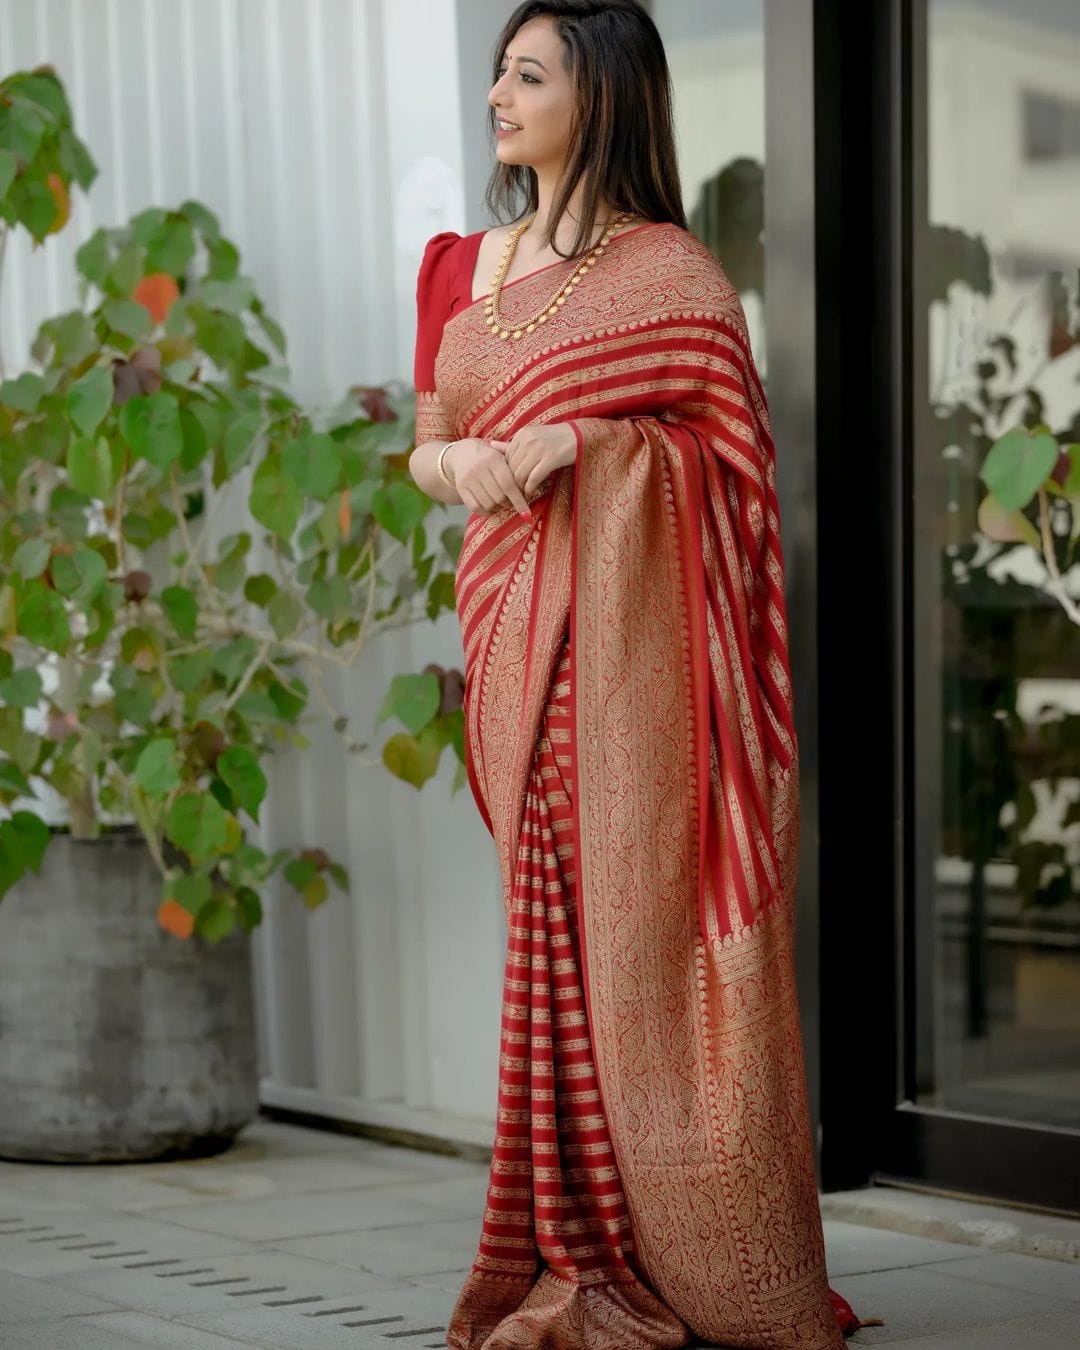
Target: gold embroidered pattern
point(677, 609)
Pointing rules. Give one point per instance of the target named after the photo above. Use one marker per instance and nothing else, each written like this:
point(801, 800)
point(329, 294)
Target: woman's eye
point(529, 79)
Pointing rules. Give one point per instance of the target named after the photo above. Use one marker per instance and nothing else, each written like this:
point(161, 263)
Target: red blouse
point(443, 288)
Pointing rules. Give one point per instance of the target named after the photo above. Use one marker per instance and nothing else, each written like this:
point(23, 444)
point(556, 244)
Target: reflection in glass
point(1003, 253)
point(717, 58)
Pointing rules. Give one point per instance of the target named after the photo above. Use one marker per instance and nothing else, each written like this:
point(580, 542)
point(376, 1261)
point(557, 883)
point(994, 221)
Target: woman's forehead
point(538, 38)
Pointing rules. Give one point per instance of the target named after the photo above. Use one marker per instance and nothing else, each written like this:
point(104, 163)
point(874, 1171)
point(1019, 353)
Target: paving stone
point(54, 1244)
point(165, 1185)
point(1008, 1270)
point(916, 1302)
point(276, 1217)
point(409, 1250)
point(1054, 1331)
point(277, 1137)
point(26, 1300)
point(853, 1250)
point(223, 1283)
point(450, 1281)
point(137, 1328)
point(382, 1321)
point(72, 1334)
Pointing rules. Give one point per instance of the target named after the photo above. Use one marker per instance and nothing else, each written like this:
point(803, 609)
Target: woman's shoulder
point(687, 265)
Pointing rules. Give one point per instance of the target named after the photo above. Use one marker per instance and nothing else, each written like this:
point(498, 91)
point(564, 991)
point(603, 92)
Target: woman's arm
point(422, 467)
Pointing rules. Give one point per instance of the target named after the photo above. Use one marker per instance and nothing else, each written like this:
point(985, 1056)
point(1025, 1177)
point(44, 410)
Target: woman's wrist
point(441, 465)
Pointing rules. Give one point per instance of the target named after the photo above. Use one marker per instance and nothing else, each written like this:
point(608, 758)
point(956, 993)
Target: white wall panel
point(327, 136)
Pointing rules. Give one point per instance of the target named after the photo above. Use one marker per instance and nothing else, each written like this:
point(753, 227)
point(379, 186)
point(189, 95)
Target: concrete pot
point(118, 1042)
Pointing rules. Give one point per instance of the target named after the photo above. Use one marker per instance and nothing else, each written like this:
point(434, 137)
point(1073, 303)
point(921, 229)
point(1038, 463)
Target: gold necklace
point(499, 327)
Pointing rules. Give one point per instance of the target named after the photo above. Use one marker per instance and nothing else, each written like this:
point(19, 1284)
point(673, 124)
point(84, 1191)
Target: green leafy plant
point(1014, 486)
point(186, 552)
point(1029, 469)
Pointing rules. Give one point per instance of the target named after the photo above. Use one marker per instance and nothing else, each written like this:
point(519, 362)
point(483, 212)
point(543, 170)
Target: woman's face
point(535, 95)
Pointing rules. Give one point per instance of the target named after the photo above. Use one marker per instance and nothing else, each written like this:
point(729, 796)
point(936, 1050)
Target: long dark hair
point(623, 146)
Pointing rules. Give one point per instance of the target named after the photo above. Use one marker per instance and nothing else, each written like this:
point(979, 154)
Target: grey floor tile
point(853, 1250)
point(72, 1334)
point(449, 1281)
point(226, 1283)
point(165, 1185)
point(1053, 1331)
point(143, 1330)
point(375, 1319)
point(408, 1251)
point(276, 1217)
point(265, 1136)
point(1008, 1270)
point(916, 1302)
point(91, 1240)
point(26, 1300)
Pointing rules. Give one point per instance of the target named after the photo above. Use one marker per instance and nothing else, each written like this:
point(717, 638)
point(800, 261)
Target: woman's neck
point(547, 188)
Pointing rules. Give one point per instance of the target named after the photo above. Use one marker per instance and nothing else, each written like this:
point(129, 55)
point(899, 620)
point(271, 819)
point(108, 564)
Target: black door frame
point(863, 875)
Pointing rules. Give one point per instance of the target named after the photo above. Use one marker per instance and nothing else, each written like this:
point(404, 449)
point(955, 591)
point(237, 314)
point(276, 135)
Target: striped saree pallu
point(630, 745)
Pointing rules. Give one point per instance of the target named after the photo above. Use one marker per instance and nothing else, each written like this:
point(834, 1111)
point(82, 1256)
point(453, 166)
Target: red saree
point(631, 747)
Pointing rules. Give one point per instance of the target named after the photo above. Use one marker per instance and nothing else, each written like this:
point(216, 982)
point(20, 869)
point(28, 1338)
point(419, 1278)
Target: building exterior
point(892, 185)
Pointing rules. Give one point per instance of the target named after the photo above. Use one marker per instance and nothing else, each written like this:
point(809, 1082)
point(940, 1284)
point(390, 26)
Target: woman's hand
point(534, 453)
point(482, 476)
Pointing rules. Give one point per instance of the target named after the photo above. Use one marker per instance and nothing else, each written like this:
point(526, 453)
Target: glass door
point(992, 1014)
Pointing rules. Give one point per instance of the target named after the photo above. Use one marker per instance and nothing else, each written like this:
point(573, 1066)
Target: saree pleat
point(555, 1206)
point(630, 744)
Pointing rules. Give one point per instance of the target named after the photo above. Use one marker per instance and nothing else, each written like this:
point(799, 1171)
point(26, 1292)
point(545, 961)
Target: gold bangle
point(439, 466)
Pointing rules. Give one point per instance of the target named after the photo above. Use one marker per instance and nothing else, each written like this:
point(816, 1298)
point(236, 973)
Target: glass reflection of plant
point(729, 219)
point(1007, 617)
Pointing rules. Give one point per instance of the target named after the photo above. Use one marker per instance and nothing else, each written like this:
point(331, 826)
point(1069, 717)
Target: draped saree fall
point(631, 748)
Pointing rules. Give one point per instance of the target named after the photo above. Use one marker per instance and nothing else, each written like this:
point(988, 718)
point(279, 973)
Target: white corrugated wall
point(328, 137)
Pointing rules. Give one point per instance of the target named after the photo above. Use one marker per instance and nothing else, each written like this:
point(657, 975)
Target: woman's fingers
point(511, 489)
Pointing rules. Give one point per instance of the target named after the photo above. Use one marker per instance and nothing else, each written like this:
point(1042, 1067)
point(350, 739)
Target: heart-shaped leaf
point(34, 837)
point(79, 575)
point(398, 508)
point(239, 770)
point(21, 689)
point(151, 426)
point(1005, 527)
point(412, 699)
point(23, 394)
point(276, 501)
point(181, 608)
point(31, 558)
point(314, 465)
point(157, 770)
point(90, 398)
point(216, 921)
point(90, 466)
point(412, 758)
point(1017, 465)
point(128, 318)
point(197, 823)
point(42, 618)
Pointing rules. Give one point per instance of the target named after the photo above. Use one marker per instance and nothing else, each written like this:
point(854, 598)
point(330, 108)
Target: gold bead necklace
point(498, 325)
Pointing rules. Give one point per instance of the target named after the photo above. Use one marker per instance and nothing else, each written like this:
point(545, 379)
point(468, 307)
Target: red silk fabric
point(647, 835)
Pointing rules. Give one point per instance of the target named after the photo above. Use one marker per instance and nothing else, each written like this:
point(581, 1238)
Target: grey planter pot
point(117, 1041)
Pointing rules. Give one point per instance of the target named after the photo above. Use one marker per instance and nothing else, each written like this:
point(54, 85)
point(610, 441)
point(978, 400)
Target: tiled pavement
point(300, 1240)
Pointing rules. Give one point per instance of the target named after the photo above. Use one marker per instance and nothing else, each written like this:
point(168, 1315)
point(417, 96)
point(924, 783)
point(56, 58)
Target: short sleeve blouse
point(443, 288)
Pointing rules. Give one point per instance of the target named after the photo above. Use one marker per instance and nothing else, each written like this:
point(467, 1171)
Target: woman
point(585, 386)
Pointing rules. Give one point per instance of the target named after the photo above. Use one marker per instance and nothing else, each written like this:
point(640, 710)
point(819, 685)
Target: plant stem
point(1057, 581)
